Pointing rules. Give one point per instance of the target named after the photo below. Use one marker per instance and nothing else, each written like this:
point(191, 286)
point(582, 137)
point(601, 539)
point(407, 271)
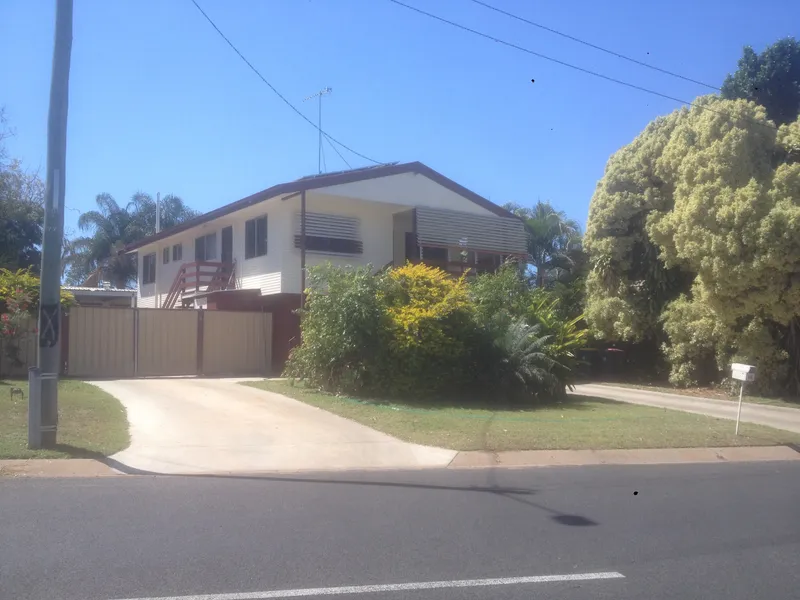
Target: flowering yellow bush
point(419, 301)
point(429, 314)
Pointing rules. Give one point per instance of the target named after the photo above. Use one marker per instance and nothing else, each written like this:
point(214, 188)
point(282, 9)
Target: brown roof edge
point(326, 180)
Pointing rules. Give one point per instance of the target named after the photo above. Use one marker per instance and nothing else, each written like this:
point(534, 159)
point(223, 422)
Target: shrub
point(430, 330)
point(14, 324)
point(343, 327)
point(25, 280)
point(500, 297)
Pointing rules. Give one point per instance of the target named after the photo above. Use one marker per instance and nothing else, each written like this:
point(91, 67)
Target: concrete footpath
point(461, 460)
point(778, 417)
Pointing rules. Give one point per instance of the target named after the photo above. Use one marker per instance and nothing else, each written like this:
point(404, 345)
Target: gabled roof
point(325, 180)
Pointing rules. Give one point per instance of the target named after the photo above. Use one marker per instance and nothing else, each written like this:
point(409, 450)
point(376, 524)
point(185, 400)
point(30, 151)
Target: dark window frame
point(165, 256)
point(256, 237)
point(177, 252)
point(149, 268)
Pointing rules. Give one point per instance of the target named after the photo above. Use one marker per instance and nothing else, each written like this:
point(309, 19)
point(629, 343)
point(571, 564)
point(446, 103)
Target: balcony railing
point(200, 276)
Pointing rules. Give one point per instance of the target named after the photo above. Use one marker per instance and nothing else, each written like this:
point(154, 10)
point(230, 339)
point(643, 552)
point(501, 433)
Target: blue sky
point(159, 103)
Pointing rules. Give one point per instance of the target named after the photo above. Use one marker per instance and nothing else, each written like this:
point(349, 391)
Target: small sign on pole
point(742, 373)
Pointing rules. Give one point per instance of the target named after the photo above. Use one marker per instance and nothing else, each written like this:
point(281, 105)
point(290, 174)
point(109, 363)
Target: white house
point(251, 254)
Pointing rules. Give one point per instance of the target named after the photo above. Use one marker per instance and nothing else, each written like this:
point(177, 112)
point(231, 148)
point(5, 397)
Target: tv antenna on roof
point(319, 95)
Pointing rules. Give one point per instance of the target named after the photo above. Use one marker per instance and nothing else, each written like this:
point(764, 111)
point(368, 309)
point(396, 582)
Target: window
point(255, 237)
point(329, 234)
point(205, 247)
point(177, 252)
point(149, 268)
point(432, 253)
point(165, 255)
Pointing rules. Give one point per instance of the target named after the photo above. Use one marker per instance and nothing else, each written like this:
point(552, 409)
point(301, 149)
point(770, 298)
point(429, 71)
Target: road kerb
point(554, 458)
point(66, 467)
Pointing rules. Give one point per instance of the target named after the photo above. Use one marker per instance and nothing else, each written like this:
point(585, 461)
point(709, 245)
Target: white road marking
point(394, 587)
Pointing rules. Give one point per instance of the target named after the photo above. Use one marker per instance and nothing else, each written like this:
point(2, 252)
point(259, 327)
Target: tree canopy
point(693, 239)
point(21, 211)
point(770, 79)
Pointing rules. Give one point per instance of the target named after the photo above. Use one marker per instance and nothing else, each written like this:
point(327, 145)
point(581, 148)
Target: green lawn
point(715, 393)
point(579, 423)
point(91, 422)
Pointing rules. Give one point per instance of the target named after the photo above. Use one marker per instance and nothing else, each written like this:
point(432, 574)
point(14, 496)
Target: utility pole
point(319, 96)
point(50, 287)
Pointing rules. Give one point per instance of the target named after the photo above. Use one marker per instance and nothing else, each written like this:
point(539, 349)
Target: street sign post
point(742, 373)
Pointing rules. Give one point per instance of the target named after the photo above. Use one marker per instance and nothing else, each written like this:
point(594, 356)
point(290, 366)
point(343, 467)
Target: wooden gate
point(236, 343)
point(101, 342)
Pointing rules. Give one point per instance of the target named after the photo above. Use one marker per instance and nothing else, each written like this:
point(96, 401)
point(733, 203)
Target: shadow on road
point(516, 494)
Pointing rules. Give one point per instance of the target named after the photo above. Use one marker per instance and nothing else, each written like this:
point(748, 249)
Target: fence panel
point(167, 343)
point(101, 342)
point(236, 343)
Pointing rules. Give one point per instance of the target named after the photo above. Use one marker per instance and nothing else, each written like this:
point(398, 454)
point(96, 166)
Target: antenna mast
point(319, 96)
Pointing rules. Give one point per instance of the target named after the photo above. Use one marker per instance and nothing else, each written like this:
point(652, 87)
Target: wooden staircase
point(196, 277)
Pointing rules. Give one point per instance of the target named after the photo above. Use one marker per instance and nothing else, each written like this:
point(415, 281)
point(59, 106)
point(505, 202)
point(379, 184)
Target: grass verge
point(91, 423)
point(709, 392)
point(580, 423)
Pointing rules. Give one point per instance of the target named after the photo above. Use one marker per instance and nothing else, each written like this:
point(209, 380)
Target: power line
point(277, 93)
point(335, 149)
point(571, 66)
point(595, 46)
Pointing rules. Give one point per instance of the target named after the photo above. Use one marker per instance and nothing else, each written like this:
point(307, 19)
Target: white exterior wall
point(407, 189)
point(375, 229)
point(261, 273)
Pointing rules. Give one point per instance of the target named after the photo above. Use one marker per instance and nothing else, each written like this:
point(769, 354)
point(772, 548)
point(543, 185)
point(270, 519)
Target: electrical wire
point(571, 66)
point(277, 93)
point(595, 46)
point(335, 149)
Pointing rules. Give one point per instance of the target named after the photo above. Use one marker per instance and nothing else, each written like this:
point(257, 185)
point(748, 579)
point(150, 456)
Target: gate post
point(200, 327)
point(135, 342)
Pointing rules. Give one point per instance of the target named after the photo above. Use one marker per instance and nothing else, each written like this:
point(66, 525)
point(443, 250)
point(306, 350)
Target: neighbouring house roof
point(325, 180)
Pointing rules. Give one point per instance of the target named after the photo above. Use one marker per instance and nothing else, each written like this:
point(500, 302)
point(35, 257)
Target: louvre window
point(329, 234)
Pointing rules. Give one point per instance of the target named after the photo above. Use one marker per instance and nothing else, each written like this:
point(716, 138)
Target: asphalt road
point(722, 531)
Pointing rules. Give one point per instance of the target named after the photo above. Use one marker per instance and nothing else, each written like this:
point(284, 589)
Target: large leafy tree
point(771, 79)
point(692, 235)
point(111, 227)
point(554, 241)
point(21, 217)
point(21, 210)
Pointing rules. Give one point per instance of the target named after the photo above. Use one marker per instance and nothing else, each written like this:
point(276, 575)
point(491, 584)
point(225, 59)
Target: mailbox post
point(742, 373)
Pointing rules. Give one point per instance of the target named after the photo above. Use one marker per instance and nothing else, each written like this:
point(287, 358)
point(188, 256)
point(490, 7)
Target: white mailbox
point(743, 372)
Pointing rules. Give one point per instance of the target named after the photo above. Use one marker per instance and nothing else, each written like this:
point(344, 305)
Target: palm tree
point(173, 211)
point(112, 227)
point(554, 240)
point(526, 368)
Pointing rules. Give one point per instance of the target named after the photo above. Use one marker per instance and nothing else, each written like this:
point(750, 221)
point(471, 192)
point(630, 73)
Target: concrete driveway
point(218, 426)
point(771, 416)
